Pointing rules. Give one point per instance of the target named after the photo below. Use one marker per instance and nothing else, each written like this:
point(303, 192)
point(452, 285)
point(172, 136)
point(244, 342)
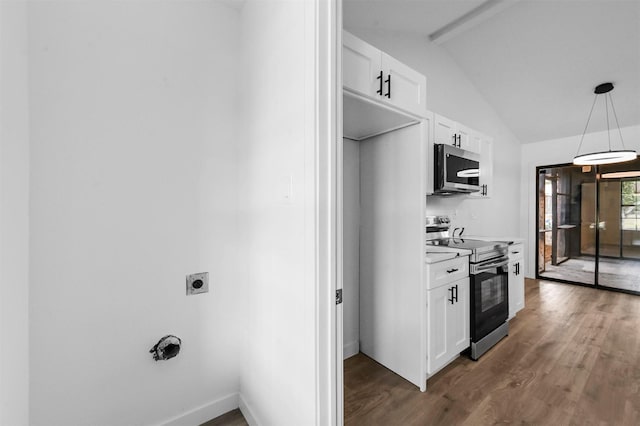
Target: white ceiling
point(537, 61)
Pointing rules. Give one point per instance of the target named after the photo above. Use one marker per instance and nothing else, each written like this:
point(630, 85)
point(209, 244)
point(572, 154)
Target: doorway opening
point(588, 225)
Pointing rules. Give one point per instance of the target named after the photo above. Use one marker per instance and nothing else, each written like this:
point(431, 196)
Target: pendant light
point(610, 156)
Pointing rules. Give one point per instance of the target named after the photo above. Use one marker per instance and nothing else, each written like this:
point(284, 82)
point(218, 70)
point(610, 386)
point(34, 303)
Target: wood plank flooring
point(232, 418)
point(572, 357)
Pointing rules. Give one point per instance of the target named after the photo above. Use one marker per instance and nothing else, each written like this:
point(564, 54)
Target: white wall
point(450, 93)
point(133, 186)
point(14, 221)
point(278, 379)
point(351, 266)
point(555, 152)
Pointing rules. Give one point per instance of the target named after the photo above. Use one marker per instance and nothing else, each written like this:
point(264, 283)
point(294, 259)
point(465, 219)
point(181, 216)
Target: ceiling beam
point(470, 19)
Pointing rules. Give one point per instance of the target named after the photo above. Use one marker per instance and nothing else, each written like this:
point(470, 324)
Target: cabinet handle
point(379, 91)
point(451, 298)
point(459, 141)
point(456, 296)
point(388, 81)
point(515, 252)
point(455, 140)
point(449, 271)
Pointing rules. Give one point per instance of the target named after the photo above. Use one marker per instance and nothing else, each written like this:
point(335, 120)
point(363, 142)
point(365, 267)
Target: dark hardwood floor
point(232, 418)
point(572, 357)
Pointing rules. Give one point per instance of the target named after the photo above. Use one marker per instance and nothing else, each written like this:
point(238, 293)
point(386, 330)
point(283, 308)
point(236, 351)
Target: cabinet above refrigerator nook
point(380, 93)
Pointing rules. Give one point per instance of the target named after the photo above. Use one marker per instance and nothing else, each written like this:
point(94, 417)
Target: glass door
point(619, 213)
point(589, 225)
point(567, 211)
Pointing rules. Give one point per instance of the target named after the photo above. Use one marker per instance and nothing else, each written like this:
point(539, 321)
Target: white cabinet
point(372, 73)
point(485, 150)
point(516, 278)
point(447, 131)
point(361, 65)
point(448, 312)
point(450, 132)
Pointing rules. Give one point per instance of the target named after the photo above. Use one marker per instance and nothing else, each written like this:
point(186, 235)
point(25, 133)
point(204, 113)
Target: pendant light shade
point(610, 156)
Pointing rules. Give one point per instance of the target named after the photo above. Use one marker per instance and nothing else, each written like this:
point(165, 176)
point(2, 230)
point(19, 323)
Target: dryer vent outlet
point(197, 283)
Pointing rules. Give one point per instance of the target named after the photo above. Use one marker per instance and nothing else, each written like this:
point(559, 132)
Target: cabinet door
point(516, 287)
point(361, 66)
point(470, 140)
point(438, 307)
point(458, 314)
point(444, 130)
point(403, 87)
point(486, 166)
point(467, 139)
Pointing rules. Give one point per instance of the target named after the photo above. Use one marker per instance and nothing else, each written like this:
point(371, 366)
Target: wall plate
point(197, 283)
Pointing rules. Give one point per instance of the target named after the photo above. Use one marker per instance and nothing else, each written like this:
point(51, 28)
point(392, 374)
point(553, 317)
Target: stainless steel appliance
point(456, 170)
point(489, 275)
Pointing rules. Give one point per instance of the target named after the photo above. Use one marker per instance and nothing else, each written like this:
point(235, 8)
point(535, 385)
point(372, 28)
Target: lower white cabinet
point(516, 278)
point(448, 320)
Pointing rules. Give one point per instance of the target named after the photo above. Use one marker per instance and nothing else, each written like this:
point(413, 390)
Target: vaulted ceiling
point(535, 61)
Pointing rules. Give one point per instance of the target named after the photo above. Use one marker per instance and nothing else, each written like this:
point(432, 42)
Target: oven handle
point(501, 262)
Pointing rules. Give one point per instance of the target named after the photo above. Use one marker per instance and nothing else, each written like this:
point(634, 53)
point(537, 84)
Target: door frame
point(327, 75)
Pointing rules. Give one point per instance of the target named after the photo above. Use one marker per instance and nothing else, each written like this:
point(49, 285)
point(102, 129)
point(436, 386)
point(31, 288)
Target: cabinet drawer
point(516, 251)
point(441, 273)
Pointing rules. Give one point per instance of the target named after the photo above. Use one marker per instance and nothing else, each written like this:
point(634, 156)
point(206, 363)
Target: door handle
point(456, 296)
point(388, 81)
point(451, 298)
point(379, 77)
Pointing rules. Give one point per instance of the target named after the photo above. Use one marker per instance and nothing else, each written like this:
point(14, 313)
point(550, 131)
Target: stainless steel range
point(489, 274)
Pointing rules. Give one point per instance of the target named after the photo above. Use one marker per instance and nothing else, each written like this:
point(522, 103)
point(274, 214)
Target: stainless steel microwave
point(456, 170)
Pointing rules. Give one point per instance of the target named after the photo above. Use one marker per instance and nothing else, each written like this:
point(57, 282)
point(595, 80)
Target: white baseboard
point(350, 349)
point(248, 414)
point(206, 412)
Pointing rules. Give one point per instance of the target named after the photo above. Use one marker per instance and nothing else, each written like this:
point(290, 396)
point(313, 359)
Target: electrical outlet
point(197, 283)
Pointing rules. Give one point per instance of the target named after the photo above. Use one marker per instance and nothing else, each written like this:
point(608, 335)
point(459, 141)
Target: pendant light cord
point(613, 108)
point(587, 125)
point(606, 107)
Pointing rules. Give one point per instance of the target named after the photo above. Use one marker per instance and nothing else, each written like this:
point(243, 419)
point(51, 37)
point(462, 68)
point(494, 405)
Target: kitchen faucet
point(459, 234)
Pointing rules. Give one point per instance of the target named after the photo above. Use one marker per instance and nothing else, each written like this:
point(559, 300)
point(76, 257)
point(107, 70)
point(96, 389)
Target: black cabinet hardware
point(388, 81)
point(379, 77)
point(451, 298)
point(452, 270)
point(456, 291)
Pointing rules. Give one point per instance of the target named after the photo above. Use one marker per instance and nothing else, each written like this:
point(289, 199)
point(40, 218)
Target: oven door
point(489, 297)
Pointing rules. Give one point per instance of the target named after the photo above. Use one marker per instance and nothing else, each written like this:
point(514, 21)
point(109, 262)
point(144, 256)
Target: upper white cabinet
point(449, 132)
point(372, 73)
point(485, 149)
point(516, 278)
